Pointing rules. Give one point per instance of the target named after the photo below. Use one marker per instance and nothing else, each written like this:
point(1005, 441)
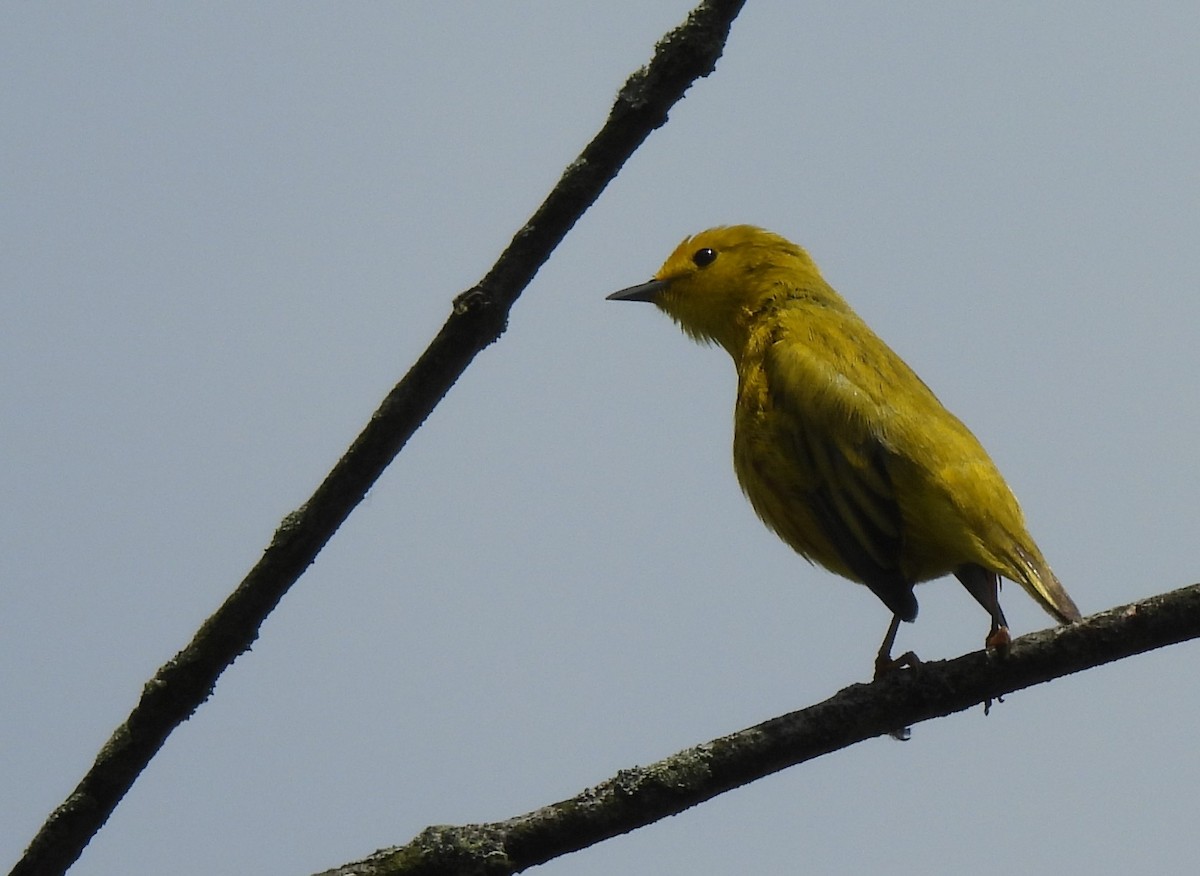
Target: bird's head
point(718, 282)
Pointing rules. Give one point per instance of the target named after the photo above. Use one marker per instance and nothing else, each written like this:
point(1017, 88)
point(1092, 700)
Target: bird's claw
point(885, 664)
point(999, 640)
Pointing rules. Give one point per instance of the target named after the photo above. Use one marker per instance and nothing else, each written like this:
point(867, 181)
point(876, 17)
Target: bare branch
point(642, 795)
point(478, 318)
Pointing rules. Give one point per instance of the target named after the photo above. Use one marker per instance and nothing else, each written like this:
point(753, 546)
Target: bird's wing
point(824, 422)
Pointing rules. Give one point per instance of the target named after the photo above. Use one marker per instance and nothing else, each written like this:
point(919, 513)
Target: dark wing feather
point(851, 495)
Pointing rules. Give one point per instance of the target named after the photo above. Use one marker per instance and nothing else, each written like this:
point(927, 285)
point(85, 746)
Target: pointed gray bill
point(644, 292)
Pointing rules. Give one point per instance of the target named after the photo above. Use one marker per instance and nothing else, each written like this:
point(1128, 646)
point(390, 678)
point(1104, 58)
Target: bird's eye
point(704, 257)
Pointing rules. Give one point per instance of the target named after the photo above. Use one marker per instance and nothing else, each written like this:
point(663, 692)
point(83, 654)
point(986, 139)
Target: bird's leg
point(883, 660)
point(985, 587)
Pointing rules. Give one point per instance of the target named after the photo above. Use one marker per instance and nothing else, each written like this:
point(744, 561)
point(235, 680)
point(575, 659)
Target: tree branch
point(639, 796)
point(479, 317)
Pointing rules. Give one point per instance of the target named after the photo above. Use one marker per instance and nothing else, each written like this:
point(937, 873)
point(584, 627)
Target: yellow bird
point(841, 448)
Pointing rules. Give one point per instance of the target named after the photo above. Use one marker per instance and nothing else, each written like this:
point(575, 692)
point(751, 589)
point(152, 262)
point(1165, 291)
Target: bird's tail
point(1044, 586)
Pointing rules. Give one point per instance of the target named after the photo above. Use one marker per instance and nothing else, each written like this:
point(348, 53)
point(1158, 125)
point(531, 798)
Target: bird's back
point(846, 453)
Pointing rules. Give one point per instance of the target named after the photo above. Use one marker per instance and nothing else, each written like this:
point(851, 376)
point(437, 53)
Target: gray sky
point(229, 229)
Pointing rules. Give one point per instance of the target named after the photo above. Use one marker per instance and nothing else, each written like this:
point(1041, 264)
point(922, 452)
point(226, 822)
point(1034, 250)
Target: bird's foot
point(998, 640)
point(885, 664)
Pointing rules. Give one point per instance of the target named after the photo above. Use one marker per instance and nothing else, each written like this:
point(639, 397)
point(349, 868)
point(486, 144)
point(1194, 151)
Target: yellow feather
point(840, 447)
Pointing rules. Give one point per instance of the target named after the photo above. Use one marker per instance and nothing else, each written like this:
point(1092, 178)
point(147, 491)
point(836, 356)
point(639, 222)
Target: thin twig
point(640, 796)
point(479, 317)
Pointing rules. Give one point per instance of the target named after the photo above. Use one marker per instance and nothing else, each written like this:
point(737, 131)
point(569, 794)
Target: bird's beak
point(644, 292)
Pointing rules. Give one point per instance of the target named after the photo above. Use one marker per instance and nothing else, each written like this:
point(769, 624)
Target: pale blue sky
point(228, 230)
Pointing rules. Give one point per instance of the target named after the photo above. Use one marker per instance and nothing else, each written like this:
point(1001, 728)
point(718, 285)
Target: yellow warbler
point(841, 448)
